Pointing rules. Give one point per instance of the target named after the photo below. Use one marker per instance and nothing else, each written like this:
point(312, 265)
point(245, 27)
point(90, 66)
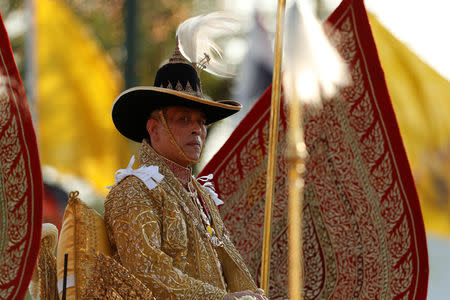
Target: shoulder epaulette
point(150, 175)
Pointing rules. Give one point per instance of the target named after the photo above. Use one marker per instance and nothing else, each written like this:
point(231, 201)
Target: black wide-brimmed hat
point(176, 84)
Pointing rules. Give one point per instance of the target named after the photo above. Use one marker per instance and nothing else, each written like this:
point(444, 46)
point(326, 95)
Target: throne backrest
point(91, 272)
point(83, 235)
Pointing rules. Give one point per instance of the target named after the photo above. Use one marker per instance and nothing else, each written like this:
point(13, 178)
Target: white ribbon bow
point(208, 185)
point(149, 175)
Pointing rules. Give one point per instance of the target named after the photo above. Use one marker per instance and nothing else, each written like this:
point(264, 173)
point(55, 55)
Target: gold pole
point(273, 140)
point(296, 156)
point(297, 60)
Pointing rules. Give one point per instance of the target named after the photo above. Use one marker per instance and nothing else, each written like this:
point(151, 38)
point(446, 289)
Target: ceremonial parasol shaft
point(273, 140)
point(314, 70)
point(296, 157)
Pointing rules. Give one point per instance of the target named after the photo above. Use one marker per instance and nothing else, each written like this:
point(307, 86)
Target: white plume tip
point(313, 67)
point(196, 41)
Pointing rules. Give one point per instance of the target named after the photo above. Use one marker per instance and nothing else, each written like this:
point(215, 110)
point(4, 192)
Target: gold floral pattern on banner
point(20, 181)
point(362, 227)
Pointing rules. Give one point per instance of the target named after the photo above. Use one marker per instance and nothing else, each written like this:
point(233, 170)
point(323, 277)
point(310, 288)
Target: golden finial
point(177, 57)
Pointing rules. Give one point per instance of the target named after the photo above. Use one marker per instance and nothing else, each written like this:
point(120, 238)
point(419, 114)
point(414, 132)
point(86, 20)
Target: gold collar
point(148, 156)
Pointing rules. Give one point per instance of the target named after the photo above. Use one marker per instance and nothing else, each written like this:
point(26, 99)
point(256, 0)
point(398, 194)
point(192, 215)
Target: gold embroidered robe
point(153, 237)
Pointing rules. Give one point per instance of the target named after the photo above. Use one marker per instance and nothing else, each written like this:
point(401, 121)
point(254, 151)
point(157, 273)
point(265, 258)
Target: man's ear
point(152, 128)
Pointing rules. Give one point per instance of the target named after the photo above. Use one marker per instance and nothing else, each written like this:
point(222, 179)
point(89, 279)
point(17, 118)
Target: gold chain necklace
point(208, 232)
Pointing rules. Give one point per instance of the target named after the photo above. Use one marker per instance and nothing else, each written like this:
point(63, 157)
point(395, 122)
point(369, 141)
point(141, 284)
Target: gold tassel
point(44, 282)
point(47, 271)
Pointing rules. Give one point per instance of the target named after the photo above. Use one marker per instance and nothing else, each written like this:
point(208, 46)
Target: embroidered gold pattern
point(358, 228)
point(110, 280)
point(179, 87)
point(47, 271)
point(15, 191)
point(159, 242)
point(43, 283)
point(187, 90)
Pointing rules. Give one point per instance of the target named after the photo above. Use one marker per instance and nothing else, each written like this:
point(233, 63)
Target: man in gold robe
point(163, 225)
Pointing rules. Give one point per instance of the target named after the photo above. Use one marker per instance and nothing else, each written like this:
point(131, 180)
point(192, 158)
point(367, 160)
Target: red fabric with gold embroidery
point(20, 181)
point(363, 230)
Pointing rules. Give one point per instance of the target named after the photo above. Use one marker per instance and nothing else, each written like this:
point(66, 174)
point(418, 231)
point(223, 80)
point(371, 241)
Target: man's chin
point(193, 154)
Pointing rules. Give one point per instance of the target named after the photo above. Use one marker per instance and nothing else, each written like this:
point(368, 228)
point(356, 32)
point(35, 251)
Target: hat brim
point(132, 108)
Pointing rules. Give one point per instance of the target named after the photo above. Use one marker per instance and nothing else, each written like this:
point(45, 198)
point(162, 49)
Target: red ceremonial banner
point(363, 231)
point(20, 181)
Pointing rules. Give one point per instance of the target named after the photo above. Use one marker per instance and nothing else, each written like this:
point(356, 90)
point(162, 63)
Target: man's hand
point(240, 295)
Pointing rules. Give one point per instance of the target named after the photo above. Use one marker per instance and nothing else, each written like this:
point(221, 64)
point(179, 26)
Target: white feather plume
point(195, 37)
point(313, 67)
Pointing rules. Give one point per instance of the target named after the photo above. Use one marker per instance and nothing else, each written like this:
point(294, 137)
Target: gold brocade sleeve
point(137, 230)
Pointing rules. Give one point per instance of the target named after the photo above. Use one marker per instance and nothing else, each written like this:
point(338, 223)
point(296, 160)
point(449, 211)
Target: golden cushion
point(83, 233)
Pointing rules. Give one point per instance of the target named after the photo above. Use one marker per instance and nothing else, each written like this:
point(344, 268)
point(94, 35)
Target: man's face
point(189, 131)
